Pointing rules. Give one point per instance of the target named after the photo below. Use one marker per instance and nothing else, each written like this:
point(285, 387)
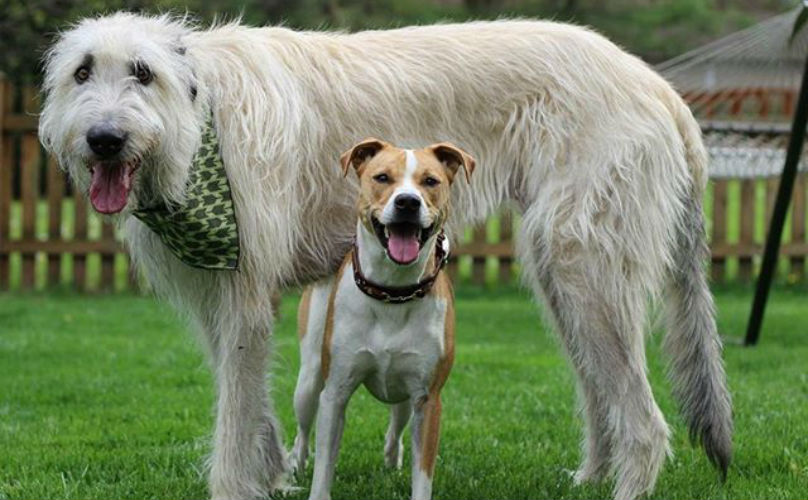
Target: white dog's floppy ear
point(360, 153)
point(453, 158)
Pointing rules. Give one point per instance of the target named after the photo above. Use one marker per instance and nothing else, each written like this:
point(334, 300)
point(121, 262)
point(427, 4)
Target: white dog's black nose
point(105, 141)
point(407, 203)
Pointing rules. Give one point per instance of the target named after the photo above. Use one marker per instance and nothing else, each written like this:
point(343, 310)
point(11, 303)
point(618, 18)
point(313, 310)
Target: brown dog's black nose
point(407, 203)
point(105, 141)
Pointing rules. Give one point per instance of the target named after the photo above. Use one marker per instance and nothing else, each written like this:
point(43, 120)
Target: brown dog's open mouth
point(110, 185)
point(402, 240)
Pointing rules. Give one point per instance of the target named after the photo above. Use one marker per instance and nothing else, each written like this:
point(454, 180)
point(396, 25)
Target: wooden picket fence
point(740, 214)
point(48, 237)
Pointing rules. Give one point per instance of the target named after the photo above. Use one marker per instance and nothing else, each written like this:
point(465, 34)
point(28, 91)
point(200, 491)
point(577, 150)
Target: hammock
point(742, 90)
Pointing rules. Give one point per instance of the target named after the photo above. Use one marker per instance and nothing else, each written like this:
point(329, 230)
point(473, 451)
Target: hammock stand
point(765, 56)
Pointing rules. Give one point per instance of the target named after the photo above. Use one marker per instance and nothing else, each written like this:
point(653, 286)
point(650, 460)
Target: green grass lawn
point(109, 397)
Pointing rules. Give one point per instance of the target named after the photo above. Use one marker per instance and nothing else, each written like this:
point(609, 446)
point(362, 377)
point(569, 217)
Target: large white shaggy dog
point(597, 152)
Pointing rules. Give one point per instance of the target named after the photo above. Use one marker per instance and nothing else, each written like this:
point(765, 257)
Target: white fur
point(422, 484)
point(597, 152)
point(407, 187)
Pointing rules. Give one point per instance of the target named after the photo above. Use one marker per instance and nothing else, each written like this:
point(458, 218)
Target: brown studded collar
point(400, 295)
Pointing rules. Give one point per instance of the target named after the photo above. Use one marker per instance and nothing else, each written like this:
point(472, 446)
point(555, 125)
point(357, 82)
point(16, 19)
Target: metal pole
point(784, 192)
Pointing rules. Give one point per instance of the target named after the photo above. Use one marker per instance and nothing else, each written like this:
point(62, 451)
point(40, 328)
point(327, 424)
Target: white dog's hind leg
point(599, 302)
point(605, 343)
point(597, 442)
point(393, 443)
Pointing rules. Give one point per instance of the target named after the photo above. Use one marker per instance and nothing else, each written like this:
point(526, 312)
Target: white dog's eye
point(82, 74)
point(381, 178)
point(143, 74)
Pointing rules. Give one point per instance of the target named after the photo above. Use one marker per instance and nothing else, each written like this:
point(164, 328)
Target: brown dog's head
point(404, 194)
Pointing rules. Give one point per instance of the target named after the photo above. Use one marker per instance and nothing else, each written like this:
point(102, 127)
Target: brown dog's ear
point(360, 153)
point(453, 158)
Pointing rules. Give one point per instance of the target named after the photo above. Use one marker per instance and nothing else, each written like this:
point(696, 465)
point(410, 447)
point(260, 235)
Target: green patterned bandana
point(203, 232)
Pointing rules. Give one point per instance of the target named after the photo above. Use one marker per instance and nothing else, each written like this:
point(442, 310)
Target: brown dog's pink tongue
point(403, 248)
point(109, 188)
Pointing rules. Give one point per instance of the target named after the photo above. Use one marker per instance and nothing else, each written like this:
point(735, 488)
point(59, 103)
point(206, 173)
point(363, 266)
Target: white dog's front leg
point(248, 459)
point(330, 424)
point(425, 433)
point(307, 394)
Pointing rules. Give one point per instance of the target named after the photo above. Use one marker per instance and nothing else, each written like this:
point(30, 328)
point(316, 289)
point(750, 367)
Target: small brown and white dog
point(386, 320)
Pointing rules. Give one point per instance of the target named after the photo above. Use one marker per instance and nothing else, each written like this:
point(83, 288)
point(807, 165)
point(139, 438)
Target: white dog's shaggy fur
point(598, 153)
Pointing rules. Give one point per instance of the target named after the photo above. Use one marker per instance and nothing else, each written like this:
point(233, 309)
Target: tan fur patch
point(443, 289)
point(275, 302)
point(430, 432)
point(325, 360)
point(303, 313)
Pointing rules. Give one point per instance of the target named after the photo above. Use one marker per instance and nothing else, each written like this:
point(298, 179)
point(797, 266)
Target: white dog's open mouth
point(110, 185)
point(402, 240)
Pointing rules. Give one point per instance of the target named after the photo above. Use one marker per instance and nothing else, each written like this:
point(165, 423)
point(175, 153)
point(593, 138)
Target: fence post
point(29, 177)
point(107, 260)
point(798, 227)
point(719, 236)
point(506, 236)
point(79, 233)
point(29, 184)
point(478, 261)
point(747, 236)
point(5, 189)
point(769, 200)
point(55, 193)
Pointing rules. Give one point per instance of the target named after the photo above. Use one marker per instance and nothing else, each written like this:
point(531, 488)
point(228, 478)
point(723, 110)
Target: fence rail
point(49, 238)
point(47, 235)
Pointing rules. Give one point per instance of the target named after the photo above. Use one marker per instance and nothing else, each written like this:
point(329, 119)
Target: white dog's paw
point(297, 466)
point(394, 455)
point(297, 458)
point(585, 475)
point(579, 477)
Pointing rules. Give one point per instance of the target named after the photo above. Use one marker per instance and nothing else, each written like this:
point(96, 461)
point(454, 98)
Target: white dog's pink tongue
point(403, 248)
point(109, 188)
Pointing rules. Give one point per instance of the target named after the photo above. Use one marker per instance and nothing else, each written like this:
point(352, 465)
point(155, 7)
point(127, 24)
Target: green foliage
point(662, 29)
point(108, 397)
point(27, 27)
point(655, 30)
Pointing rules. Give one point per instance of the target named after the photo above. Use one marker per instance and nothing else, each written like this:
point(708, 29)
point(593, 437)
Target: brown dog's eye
point(143, 74)
point(381, 178)
point(82, 74)
point(431, 182)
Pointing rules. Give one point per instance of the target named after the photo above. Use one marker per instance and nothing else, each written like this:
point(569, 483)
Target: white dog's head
point(121, 111)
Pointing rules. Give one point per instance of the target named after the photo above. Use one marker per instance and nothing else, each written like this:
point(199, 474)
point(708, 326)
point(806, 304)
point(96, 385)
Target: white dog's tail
point(692, 342)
